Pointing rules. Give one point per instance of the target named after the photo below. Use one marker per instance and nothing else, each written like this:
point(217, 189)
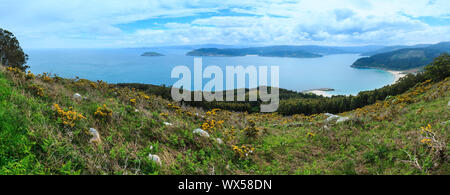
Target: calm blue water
point(126, 65)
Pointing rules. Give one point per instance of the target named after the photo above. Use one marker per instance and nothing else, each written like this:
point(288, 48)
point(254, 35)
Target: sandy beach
point(397, 75)
point(320, 92)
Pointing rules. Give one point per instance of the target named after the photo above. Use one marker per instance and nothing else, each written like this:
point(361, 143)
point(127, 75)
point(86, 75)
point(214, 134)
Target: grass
point(38, 138)
point(16, 156)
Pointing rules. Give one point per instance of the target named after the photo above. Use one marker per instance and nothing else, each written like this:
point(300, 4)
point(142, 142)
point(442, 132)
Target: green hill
point(53, 125)
point(403, 59)
point(393, 48)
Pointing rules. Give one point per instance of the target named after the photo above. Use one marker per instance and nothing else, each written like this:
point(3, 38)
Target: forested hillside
point(404, 59)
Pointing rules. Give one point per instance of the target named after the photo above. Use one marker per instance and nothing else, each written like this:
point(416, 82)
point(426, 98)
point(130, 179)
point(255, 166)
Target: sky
point(148, 23)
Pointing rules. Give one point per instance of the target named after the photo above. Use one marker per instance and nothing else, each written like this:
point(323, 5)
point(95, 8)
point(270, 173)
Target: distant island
point(151, 54)
point(297, 51)
point(403, 59)
point(259, 51)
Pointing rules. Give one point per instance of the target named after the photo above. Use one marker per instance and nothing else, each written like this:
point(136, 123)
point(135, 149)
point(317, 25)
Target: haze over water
point(128, 66)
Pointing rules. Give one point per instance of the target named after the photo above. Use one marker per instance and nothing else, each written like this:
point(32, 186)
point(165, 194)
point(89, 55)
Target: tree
point(439, 69)
point(11, 54)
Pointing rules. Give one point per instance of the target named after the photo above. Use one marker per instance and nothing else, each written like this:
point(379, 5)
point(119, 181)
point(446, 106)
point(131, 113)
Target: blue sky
point(146, 23)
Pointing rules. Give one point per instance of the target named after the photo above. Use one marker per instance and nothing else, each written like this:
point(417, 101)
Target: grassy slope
point(15, 147)
point(383, 138)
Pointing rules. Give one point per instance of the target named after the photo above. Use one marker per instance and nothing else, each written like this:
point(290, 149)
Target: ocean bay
point(128, 66)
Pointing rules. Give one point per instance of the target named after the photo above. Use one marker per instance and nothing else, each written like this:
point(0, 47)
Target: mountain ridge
point(403, 59)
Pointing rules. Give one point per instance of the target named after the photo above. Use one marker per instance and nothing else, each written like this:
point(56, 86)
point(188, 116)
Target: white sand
point(397, 75)
point(319, 92)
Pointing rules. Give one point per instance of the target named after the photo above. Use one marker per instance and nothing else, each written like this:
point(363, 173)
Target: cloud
point(114, 23)
point(342, 14)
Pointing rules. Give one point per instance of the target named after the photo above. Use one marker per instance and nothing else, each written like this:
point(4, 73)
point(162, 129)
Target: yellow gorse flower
point(243, 151)
point(93, 85)
point(212, 125)
point(37, 90)
point(426, 129)
point(46, 77)
point(426, 141)
point(68, 117)
point(30, 76)
point(14, 70)
point(103, 112)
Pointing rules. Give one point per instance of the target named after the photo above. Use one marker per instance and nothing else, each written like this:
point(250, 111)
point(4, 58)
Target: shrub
point(252, 131)
point(39, 91)
point(243, 151)
point(68, 118)
point(46, 77)
point(103, 113)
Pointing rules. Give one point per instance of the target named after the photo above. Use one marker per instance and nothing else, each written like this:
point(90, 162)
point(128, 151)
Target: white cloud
point(87, 23)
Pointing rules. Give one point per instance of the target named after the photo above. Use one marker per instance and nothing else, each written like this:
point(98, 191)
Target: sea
point(128, 66)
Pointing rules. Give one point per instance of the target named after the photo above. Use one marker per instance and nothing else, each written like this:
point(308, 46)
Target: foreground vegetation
point(45, 129)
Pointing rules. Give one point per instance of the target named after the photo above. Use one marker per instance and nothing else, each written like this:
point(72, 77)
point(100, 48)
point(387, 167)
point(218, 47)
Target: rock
point(199, 115)
point(155, 158)
point(338, 118)
point(201, 132)
point(342, 119)
point(331, 117)
point(95, 136)
point(448, 104)
point(167, 124)
point(219, 141)
point(77, 96)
